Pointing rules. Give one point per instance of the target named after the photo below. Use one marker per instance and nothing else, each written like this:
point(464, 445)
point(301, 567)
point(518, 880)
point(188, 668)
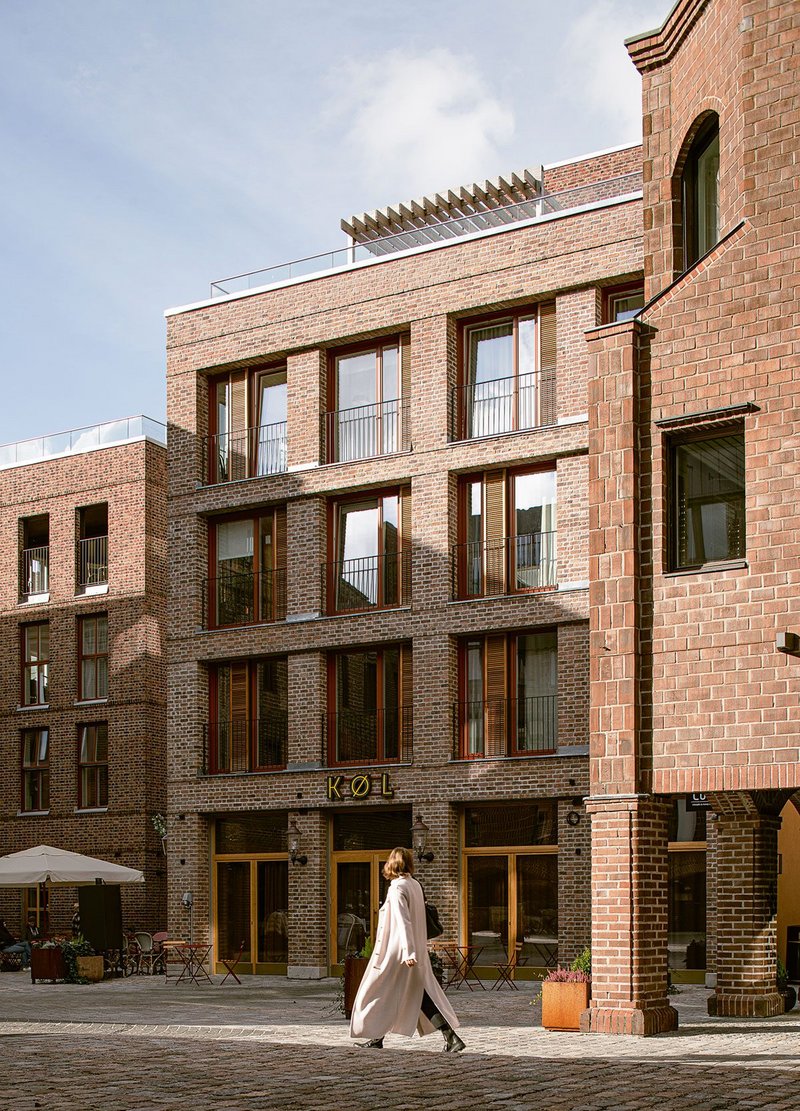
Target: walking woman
point(399, 993)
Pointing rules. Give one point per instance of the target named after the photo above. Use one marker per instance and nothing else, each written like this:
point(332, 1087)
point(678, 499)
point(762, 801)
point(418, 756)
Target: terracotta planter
point(562, 1004)
point(90, 968)
point(47, 964)
point(354, 969)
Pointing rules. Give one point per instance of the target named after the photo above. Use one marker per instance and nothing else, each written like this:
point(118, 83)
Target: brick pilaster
point(308, 900)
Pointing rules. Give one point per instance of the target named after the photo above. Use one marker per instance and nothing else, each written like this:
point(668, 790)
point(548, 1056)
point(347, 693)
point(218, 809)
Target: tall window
point(34, 570)
point(93, 765)
point(509, 695)
point(370, 699)
point(93, 646)
point(700, 193)
point(248, 582)
point(92, 554)
point(687, 889)
point(708, 509)
point(369, 403)
point(247, 730)
point(507, 523)
point(508, 374)
point(35, 770)
point(247, 424)
point(35, 663)
point(371, 539)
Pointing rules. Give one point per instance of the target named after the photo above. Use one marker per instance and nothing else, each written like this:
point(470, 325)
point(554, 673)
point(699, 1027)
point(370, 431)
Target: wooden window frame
point(402, 342)
point(96, 656)
point(26, 664)
point(40, 769)
point(708, 130)
point(612, 294)
point(93, 767)
point(404, 689)
point(275, 516)
point(250, 376)
point(251, 696)
point(403, 546)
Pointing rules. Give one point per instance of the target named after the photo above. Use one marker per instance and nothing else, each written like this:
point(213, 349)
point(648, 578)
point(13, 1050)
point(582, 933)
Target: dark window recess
point(34, 569)
point(530, 824)
point(358, 830)
point(700, 194)
point(263, 832)
point(708, 495)
point(92, 553)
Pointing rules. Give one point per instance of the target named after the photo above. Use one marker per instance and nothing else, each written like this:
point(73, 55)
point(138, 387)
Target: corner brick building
point(82, 605)
point(693, 454)
point(378, 487)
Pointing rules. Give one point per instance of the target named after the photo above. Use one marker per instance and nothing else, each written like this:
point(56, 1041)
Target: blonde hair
point(400, 862)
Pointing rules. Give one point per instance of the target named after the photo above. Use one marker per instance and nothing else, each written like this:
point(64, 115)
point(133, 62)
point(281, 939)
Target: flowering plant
point(160, 825)
point(568, 976)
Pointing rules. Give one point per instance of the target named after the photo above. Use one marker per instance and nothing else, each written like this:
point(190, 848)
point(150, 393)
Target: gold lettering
point(360, 786)
point(334, 786)
point(386, 791)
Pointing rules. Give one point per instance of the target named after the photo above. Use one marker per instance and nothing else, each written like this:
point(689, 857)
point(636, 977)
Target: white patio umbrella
point(44, 864)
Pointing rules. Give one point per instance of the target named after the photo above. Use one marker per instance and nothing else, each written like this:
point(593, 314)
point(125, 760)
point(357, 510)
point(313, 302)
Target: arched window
point(700, 193)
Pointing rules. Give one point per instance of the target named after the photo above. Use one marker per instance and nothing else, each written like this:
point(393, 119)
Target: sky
point(150, 148)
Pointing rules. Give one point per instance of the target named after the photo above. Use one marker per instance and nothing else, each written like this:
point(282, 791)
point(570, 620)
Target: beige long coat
point(390, 995)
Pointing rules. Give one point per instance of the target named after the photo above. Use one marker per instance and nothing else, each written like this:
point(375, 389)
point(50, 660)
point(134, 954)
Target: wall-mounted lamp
point(294, 838)
point(419, 840)
point(573, 817)
point(787, 642)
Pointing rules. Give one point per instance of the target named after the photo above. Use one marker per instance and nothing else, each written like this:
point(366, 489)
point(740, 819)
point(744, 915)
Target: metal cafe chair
point(231, 963)
point(146, 954)
point(507, 968)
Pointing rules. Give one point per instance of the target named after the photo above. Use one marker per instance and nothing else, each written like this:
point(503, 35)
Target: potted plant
point(565, 994)
point(354, 968)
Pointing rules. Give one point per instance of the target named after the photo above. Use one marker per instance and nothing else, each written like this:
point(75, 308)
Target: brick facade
point(130, 478)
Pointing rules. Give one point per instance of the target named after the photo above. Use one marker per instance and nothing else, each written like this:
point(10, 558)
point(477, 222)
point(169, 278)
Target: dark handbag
point(433, 924)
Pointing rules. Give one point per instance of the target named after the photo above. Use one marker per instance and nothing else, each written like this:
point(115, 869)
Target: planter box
point(47, 964)
point(354, 969)
point(90, 968)
point(562, 1004)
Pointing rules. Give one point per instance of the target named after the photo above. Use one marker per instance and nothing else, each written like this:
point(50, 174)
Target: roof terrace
point(77, 440)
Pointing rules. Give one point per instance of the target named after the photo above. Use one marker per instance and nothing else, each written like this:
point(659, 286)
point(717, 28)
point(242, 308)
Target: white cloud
point(419, 122)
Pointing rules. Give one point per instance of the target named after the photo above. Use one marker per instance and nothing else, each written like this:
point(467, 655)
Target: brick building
point(693, 453)
point(82, 709)
point(378, 487)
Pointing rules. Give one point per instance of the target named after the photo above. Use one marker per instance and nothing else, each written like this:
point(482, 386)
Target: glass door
point(359, 890)
point(234, 923)
point(252, 903)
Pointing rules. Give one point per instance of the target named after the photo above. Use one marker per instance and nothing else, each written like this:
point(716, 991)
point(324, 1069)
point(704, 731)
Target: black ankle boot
point(373, 1043)
point(452, 1042)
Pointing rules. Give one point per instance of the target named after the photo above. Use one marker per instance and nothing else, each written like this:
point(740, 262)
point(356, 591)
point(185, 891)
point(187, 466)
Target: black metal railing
point(245, 746)
point(366, 431)
point(372, 582)
point(244, 598)
point(34, 570)
point(510, 565)
point(250, 453)
point(504, 405)
point(505, 727)
point(368, 736)
point(92, 560)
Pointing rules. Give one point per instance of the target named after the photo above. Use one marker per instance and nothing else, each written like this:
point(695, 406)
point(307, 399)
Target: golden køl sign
point(361, 786)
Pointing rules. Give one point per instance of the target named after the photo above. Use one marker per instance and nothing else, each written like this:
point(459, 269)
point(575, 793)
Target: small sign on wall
point(697, 801)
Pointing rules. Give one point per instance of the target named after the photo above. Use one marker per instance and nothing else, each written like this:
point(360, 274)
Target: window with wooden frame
point(508, 695)
point(507, 378)
point(35, 647)
point(507, 533)
point(93, 765)
point(248, 716)
point(93, 656)
point(34, 565)
point(247, 424)
point(622, 303)
point(35, 770)
point(369, 389)
point(370, 695)
point(247, 565)
point(370, 551)
point(700, 193)
point(707, 498)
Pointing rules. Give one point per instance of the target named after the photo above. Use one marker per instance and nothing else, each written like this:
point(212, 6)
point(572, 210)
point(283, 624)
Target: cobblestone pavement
point(142, 1045)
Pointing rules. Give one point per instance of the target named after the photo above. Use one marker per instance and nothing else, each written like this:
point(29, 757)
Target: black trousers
point(428, 1007)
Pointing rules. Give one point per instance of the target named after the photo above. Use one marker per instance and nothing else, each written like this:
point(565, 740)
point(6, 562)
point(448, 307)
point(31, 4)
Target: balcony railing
point(505, 727)
point(251, 453)
point(368, 736)
point(242, 598)
point(245, 746)
point(93, 562)
point(366, 431)
point(372, 582)
point(499, 405)
point(511, 565)
point(34, 570)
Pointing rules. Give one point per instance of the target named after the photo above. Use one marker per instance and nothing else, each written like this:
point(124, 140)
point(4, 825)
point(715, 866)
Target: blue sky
point(150, 148)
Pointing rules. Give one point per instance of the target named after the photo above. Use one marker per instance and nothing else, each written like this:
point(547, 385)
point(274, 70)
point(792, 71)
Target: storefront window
point(361, 829)
point(252, 833)
point(532, 824)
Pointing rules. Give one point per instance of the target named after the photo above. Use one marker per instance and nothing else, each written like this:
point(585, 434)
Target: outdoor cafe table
point(193, 956)
point(461, 959)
